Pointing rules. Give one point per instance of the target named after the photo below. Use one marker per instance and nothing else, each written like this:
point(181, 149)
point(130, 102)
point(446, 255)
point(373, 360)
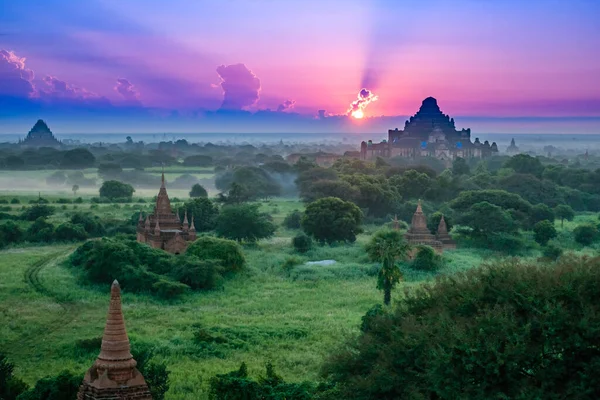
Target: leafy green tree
point(585, 234)
point(328, 188)
point(509, 330)
point(64, 386)
point(562, 212)
point(204, 211)
point(332, 220)
point(90, 223)
point(227, 252)
point(10, 386)
point(544, 231)
point(198, 160)
point(260, 183)
point(525, 164)
point(541, 212)
point(307, 178)
point(237, 194)
point(10, 233)
point(78, 158)
point(302, 243)
point(460, 167)
point(244, 222)
point(374, 194)
point(40, 231)
point(552, 252)
point(154, 372)
point(388, 247)
point(198, 274)
point(198, 191)
point(115, 190)
point(433, 221)
point(68, 232)
point(427, 259)
point(500, 198)
point(293, 220)
point(412, 184)
point(75, 188)
point(37, 211)
point(487, 219)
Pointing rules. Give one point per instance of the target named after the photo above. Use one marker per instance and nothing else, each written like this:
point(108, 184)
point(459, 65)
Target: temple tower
point(114, 375)
point(443, 235)
point(419, 234)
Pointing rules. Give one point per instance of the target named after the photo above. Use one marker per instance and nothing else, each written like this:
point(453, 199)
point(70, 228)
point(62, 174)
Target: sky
point(498, 66)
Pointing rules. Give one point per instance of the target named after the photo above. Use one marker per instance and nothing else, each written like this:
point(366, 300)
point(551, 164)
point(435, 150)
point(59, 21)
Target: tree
point(525, 164)
point(198, 191)
point(412, 184)
point(302, 243)
point(509, 330)
point(37, 211)
point(260, 183)
point(116, 190)
point(244, 222)
point(544, 231)
point(585, 234)
point(387, 247)
point(487, 219)
point(562, 212)
point(426, 259)
point(79, 158)
point(433, 221)
point(541, 212)
point(293, 220)
point(236, 194)
point(332, 220)
point(460, 167)
point(204, 212)
point(10, 233)
point(64, 386)
point(500, 198)
point(10, 385)
point(227, 252)
point(75, 188)
point(196, 273)
point(328, 188)
point(198, 160)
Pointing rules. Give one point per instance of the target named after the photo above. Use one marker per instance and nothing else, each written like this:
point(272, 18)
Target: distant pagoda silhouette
point(443, 236)
point(114, 375)
point(419, 234)
point(40, 136)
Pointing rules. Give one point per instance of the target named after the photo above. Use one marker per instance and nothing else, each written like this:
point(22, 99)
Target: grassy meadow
point(279, 310)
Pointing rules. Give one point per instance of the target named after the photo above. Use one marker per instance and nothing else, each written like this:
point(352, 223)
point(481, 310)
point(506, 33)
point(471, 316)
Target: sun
point(358, 114)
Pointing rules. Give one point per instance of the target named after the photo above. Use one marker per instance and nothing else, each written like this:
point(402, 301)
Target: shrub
point(90, 223)
point(585, 234)
point(10, 232)
point(68, 232)
point(14, 200)
point(10, 385)
point(196, 273)
point(552, 252)
point(332, 220)
point(64, 386)
point(40, 231)
point(244, 222)
point(168, 289)
point(302, 243)
point(544, 231)
point(227, 252)
point(37, 211)
point(508, 330)
point(293, 220)
point(427, 259)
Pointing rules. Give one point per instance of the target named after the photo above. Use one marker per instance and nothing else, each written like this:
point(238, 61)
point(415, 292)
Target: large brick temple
point(163, 229)
point(114, 375)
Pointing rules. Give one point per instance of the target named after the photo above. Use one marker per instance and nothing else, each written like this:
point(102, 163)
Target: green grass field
point(280, 310)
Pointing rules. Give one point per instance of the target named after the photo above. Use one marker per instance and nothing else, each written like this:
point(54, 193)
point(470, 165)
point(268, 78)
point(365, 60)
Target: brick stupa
point(114, 375)
point(443, 235)
point(419, 234)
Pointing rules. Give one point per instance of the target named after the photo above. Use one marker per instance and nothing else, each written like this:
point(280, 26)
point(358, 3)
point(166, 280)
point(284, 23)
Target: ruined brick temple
point(163, 229)
point(429, 133)
point(114, 375)
point(419, 234)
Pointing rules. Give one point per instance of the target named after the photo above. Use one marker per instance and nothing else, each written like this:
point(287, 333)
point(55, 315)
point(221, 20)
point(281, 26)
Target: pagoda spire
point(147, 223)
point(162, 179)
point(114, 375)
point(157, 228)
point(442, 227)
point(186, 224)
point(419, 208)
point(192, 227)
point(140, 219)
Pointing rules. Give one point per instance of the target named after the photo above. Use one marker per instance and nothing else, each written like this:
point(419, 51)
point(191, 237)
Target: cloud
point(240, 86)
point(15, 79)
point(286, 105)
point(364, 98)
point(127, 90)
point(56, 89)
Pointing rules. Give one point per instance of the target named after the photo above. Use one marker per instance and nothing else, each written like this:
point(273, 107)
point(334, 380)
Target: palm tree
point(388, 247)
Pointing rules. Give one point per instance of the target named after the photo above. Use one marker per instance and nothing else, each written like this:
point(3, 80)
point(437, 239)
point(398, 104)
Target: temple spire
point(140, 219)
point(147, 224)
point(186, 224)
point(442, 227)
point(419, 208)
point(192, 227)
point(162, 179)
point(157, 228)
point(115, 342)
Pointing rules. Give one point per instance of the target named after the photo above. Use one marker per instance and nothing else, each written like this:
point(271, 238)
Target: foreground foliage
point(508, 330)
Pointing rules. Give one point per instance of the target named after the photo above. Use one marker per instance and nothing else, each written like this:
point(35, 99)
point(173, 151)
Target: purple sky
point(131, 59)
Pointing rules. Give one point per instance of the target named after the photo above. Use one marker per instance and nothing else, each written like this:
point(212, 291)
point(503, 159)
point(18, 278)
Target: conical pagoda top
point(418, 224)
point(442, 227)
point(40, 135)
point(115, 352)
point(163, 204)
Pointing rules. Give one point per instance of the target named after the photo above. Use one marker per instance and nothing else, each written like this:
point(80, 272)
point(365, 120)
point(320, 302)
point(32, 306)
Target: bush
point(302, 243)
point(332, 220)
point(10, 385)
point(10, 233)
point(64, 386)
point(14, 200)
point(427, 259)
point(552, 252)
point(168, 289)
point(544, 231)
point(244, 222)
point(227, 252)
point(37, 211)
point(40, 231)
point(197, 274)
point(90, 223)
point(115, 190)
point(293, 220)
point(508, 330)
point(68, 232)
point(585, 234)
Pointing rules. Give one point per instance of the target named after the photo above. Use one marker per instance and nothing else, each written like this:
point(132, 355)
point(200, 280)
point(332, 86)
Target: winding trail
point(69, 308)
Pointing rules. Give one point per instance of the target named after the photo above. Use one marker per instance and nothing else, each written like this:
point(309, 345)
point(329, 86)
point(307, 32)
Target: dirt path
point(69, 309)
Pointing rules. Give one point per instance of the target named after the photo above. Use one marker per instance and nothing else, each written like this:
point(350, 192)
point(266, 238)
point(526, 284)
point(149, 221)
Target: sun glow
point(358, 114)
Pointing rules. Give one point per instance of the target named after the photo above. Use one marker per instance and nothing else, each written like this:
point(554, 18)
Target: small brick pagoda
point(443, 236)
point(114, 375)
point(419, 234)
point(163, 229)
